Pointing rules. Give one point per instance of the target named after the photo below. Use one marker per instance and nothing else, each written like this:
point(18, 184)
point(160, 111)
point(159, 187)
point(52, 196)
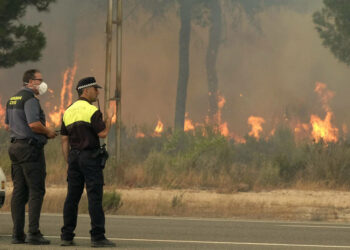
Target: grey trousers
point(28, 172)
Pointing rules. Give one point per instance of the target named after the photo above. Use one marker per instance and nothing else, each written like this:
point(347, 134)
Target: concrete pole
point(118, 89)
point(108, 58)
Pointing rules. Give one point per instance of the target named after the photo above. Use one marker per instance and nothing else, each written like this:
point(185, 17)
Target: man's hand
point(110, 113)
point(51, 133)
point(108, 121)
point(38, 127)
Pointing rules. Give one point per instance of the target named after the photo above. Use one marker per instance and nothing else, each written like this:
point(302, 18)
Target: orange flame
point(159, 128)
point(188, 123)
point(224, 129)
point(256, 122)
point(140, 135)
point(273, 131)
point(219, 126)
point(323, 129)
point(65, 97)
point(345, 129)
point(221, 102)
point(237, 138)
point(301, 130)
point(2, 115)
point(317, 128)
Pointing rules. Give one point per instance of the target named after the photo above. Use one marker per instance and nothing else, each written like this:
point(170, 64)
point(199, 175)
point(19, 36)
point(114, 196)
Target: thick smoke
point(268, 70)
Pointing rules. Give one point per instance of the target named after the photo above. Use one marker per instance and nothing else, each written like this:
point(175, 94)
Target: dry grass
point(277, 205)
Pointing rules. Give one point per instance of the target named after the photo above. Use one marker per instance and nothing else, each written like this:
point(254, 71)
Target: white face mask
point(42, 88)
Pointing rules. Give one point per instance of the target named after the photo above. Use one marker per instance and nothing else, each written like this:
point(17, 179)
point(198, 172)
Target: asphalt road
point(191, 233)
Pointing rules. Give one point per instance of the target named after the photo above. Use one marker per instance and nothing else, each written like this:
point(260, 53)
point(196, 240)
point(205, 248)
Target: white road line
point(232, 243)
point(211, 242)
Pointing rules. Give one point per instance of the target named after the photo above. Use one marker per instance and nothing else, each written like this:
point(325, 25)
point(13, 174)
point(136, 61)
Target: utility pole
point(108, 57)
point(118, 90)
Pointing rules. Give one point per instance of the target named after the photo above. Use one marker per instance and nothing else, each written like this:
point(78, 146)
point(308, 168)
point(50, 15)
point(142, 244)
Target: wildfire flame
point(219, 126)
point(65, 97)
point(255, 122)
point(323, 129)
point(140, 135)
point(224, 129)
point(159, 128)
point(2, 115)
point(221, 102)
point(301, 130)
point(188, 123)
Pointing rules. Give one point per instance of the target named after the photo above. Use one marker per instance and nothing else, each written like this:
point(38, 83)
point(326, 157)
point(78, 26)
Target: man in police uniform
point(82, 126)
point(26, 122)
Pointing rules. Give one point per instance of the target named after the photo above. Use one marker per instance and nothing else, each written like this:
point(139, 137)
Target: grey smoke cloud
point(267, 72)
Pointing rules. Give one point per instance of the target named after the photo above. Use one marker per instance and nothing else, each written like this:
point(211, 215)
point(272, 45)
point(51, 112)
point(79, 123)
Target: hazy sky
point(262, 72)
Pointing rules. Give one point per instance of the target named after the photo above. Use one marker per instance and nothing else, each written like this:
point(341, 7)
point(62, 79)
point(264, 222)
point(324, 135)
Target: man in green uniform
point(82, 126)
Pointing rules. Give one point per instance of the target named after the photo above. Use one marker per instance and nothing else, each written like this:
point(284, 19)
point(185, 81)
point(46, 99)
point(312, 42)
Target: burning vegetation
point(318, 129)
point(210, 155)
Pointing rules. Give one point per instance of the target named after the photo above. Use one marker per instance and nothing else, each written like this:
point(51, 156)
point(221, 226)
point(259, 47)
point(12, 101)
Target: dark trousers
point(84, 168)
point(28, 171)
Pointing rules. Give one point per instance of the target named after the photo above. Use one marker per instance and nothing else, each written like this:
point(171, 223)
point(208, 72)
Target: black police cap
point(88, 82)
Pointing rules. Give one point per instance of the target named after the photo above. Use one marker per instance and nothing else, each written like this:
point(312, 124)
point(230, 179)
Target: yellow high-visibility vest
point(80, 111)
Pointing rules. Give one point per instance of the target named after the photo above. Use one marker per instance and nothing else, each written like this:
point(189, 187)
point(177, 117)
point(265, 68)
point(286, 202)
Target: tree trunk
point(184, 46)
point(212, 53)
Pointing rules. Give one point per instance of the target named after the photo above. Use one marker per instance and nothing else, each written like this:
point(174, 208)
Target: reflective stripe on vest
point(80, 111)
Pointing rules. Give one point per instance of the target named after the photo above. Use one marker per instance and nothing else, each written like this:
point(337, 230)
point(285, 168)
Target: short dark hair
point(29, 74)
point(80, 92)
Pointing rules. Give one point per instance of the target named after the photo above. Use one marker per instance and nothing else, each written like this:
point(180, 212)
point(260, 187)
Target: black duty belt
point(30, 141)
point(15, 140)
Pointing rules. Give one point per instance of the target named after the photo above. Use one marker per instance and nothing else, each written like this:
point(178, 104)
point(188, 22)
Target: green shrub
point(111, 201)
point(205, 159)
point(269, 175)
point(155, 167)
point(177, 200)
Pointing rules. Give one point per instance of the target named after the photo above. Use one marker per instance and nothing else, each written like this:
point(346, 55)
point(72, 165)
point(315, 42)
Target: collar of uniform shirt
point(84, 99)
point(28, 89)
